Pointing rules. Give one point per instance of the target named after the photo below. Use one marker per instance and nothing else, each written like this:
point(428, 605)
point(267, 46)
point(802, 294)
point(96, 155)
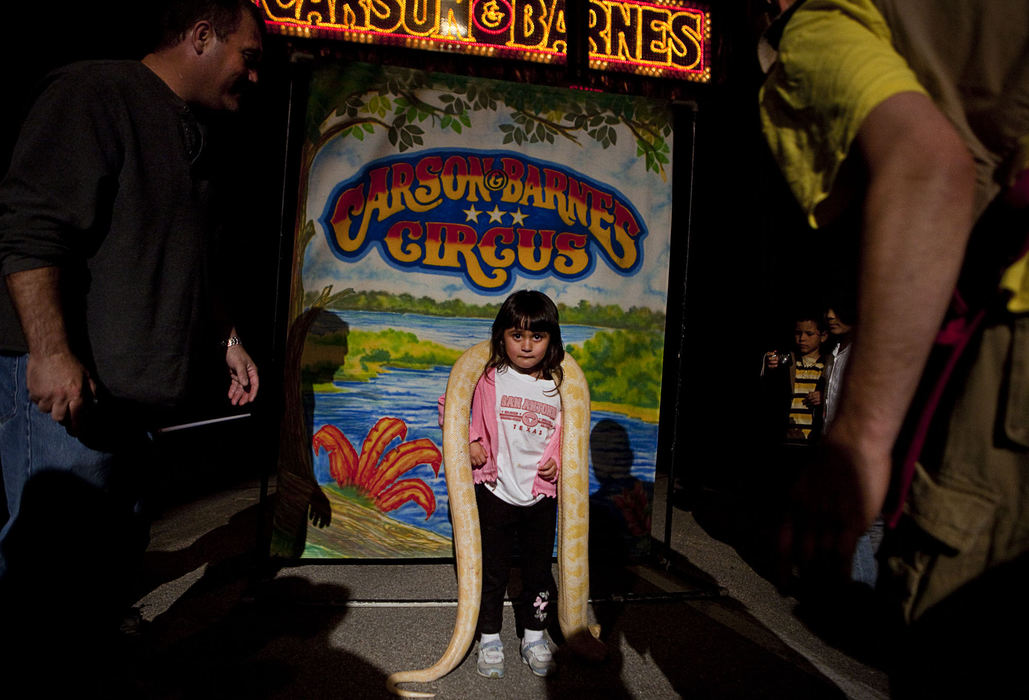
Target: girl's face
point(525, 349)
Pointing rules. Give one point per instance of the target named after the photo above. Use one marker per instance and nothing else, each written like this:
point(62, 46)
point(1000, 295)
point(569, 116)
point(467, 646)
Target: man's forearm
point(917, 218)
point(57, 382)
point(37, 299)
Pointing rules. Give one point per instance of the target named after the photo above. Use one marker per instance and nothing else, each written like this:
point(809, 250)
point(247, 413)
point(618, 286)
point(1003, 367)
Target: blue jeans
point(865, 568)
point(36, 449)
point(71, 553)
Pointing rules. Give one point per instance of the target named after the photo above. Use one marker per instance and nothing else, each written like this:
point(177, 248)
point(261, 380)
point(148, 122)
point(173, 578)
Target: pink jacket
point(483, 428)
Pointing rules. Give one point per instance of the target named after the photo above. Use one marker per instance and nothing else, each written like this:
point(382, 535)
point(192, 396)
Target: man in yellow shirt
point(909, 114)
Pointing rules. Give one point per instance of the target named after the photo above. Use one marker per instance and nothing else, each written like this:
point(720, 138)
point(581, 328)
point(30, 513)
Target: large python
point(573, 518)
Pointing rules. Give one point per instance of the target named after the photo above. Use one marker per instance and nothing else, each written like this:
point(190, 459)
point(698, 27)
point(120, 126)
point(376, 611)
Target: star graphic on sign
point(472, 214)
point(496, 215)
point(518, 218)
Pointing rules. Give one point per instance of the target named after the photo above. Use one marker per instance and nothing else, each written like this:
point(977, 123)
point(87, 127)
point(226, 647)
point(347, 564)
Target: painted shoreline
point(363, 532)
point(643, 413)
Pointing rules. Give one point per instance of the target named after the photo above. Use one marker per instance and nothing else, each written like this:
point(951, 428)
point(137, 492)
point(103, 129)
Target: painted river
point(412, 394)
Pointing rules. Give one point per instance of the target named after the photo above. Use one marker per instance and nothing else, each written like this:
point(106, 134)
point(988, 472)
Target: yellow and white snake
point(573, 518)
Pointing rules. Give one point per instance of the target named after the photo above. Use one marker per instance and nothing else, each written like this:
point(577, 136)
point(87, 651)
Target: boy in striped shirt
point(806, 373)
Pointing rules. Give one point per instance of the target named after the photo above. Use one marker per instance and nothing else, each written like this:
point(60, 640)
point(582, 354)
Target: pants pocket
point(941, 543)
point(1016, 411)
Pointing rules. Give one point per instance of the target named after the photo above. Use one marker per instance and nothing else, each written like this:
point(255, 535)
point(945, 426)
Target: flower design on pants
point(541, 605)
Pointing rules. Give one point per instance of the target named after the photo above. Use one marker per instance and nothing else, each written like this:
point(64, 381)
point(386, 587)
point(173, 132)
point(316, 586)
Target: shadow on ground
point(239, 632)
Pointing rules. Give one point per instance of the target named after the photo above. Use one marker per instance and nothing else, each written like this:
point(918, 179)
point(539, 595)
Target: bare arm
point(917, 213)
point(57, 381)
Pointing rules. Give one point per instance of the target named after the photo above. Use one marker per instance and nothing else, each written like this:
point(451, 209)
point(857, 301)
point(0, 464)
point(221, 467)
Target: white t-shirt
point(527, 411)
point(832, 389)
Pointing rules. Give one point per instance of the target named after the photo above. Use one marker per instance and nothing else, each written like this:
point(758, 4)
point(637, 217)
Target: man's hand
point(57, 381)
point(548, 472)
point(59, 385)
point(834, 502)
point(243, 376)
point(477, 453)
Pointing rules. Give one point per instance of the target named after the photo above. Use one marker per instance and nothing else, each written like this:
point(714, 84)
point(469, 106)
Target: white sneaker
point(491, 659)
point(537, 655)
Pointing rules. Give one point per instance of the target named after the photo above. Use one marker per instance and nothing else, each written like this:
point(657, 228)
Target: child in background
point(515, 452)
point(839, 319)
point(804, 384)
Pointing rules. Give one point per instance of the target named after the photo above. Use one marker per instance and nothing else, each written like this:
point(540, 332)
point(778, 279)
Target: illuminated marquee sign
point(484, 216)
point(667, 39)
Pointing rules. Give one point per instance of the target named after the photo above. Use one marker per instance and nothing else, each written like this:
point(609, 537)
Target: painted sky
point(617, 166)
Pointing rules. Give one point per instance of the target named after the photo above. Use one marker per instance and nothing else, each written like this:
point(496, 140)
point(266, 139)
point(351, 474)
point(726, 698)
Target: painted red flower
point(378, 478)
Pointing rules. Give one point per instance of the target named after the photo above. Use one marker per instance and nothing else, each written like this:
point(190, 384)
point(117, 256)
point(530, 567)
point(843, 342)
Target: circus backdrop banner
point(425, 200)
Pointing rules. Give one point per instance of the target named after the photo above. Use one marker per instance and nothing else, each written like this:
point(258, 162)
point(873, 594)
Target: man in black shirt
point(108, 216)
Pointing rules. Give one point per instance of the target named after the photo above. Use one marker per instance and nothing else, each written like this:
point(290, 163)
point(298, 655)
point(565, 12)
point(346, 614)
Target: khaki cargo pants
point(972, 512)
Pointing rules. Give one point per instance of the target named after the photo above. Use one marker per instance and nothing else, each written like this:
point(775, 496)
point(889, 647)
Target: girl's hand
point(814, 398)
point(477, 453)
point(548, 471)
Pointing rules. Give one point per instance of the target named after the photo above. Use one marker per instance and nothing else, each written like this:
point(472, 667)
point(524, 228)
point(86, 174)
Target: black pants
point(502, 524)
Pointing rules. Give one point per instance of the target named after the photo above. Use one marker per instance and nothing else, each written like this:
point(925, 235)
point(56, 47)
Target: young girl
point(515, 453)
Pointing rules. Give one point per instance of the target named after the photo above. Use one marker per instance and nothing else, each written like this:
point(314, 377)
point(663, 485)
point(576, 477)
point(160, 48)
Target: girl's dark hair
point(534, 311)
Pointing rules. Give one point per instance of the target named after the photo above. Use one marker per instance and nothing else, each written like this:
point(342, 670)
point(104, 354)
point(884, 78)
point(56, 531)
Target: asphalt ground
point(220, 621)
